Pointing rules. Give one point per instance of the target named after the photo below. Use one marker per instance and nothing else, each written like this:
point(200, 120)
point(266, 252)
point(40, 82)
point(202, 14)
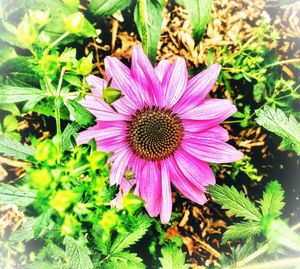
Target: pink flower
point(163, 129)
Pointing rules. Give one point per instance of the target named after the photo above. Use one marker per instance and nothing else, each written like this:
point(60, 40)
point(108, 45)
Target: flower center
point(154, 133)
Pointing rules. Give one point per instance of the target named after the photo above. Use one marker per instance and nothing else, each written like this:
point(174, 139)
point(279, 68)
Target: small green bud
point(132, 202)
point(39, 17)
point(70, 225)
point(47, 152)
point(85, 65)
point(26, 33)
point(50, 64)
point(44, 38)
point(40, 179)
point(110, 95)
point(129, 175)
point(62, 200)
point(75, 23)
point(109, 221)
point(97, 159)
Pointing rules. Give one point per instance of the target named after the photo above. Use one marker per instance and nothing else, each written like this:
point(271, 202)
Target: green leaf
point(272, 201)
point(242, 251)
point(25, 233)
point(10, 123)
point(241, 231)
point(12, 195)
point(13, 94)
point(123, 260)
point(200, 15)
point(235, 202)
point(77, 253)
point(12, 108)
point(104, 8)
point(277, 122)
point(172, 258)
point(15, 149)
point(81, 115)
point(125, 240)
point(70, 130)
point(43, 224)
point(148, 18)
point(19, 71)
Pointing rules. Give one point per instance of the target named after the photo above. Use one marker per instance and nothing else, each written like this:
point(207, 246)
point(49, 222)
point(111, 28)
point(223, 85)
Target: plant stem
point(55, 42)
point(257, 253)
point(283, 263)
point(57, 119)
point(60, 81)
point(289, 61)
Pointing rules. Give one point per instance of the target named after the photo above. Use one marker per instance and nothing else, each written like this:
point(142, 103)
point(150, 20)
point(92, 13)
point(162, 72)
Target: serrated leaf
point(25, 233)
point(12, 195)
point(43, 223)
point(148, 17)
point(272, 201)
point(104, 8)
point(10, 123)
point(77, 254)
point(81, 115)
point(277, 122)
point(241, 231)
point(125, 240)
point(15, 149)
point(172, 258)
point(123, 260)
point(200, 15)
point(70, 130)
point(242, 251)
point(13, 94)
point(235, 202)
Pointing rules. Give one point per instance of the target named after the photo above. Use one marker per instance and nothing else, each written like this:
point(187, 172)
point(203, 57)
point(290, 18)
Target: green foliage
point(13, 94)
point(173, 257)
point(81, 115)
point(235, 202)
point(13, 195)
point(10, 127)
point(124, 260)
point(241, 231)
point(277, 122)
point(70, 132)
point(200, 15)
point(148, 19)
point(104, 8)
point(272, 202)
point(77, 254)
point(13, 148)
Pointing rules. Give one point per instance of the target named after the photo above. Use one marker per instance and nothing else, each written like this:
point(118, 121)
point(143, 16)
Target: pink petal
point(174, 82)
point(162, 68)
point(194, 169)
point(216, 132)
point(197, 88)
point(210, 109)
point(211, 150)
point(112, 144)
point(150, 188)
point(101, 110)
point(122, 80)
point(97, 85)
point(144, 73)
point(166, 204)
point(187, 188)
point(119, 166)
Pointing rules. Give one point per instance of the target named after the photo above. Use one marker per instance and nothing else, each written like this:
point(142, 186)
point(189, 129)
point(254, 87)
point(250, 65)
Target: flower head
point(163, 129)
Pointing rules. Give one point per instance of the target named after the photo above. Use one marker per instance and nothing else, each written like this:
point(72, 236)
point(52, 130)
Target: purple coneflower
point(163, 129)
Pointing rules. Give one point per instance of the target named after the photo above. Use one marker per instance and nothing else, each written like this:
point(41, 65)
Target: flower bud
point(109, 221)
point(47, 152)
point(132, 202)
point(39, 17)
point(75, 23)
point(40, 179)
point(26, 33)
point(110, 95)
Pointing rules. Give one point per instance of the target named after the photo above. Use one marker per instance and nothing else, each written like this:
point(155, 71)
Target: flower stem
point(55, 42)
point(289, 61)
point(259, 252)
